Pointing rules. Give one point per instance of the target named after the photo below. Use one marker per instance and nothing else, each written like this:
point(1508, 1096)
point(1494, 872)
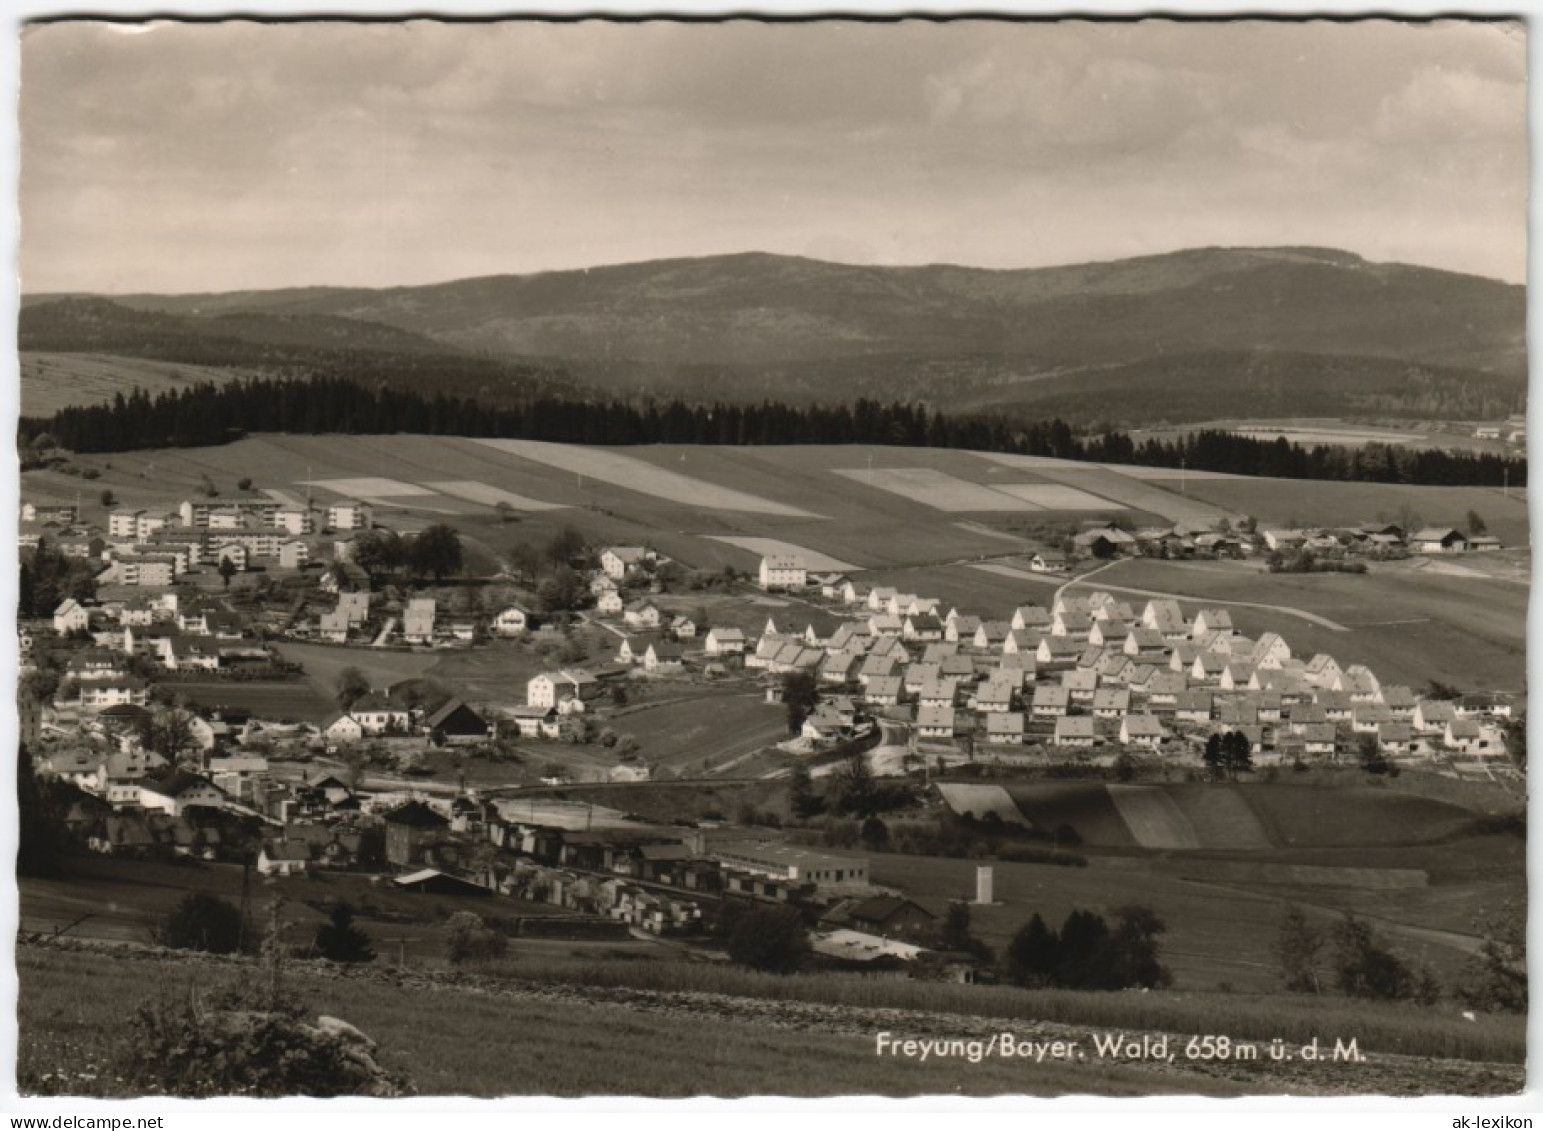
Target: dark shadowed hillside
point(754, 325)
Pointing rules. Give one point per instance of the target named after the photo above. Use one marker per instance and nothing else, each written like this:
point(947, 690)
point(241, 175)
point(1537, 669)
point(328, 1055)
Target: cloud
point(242, 154)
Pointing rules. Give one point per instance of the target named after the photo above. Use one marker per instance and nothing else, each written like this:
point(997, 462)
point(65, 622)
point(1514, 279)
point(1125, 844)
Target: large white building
point(549, 689)
point(783, 571)
point(349, 514)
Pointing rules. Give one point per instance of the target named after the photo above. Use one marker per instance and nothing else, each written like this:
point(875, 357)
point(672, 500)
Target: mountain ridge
point(732, 322)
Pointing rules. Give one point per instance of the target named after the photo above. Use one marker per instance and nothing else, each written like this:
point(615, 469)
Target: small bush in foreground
point(203, 922)
point(467, 937)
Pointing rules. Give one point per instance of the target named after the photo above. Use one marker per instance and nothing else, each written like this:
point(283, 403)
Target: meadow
point(475, 1040)
point(569, 1027)
point(1410, 626)
point(292, 700)
point(1295, 502)
point(1219, 934)
point(52, 381)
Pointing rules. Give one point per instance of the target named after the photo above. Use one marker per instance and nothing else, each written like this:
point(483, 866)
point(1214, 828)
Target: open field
point(1309, 431)
point(367, 487)
point(700, 734)
point(624, 471)
point(1410, 625)
point(383, 667)
point(1111, 482)
point(950, 494)
point(1277, 502)
point(1217, 933)
point(296, 700)
point(763, 547)
point(487, 1037)
point(491, 496)
point(52, 381)
point(1220, 816)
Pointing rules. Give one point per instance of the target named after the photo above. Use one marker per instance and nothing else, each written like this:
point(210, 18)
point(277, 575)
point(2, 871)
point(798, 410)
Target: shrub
point(467, 937)
point(1364, 967)
point(203, 922)
point(245, 1041)
point(772, 939)
point(339, 940)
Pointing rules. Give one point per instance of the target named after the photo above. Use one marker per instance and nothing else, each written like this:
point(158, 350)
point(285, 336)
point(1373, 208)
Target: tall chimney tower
point(983, 884)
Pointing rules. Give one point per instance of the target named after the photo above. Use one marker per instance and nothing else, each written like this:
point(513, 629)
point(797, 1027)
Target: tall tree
point(436, 552)
point(1034, 956)
point(1297, 945)
point(352, 685)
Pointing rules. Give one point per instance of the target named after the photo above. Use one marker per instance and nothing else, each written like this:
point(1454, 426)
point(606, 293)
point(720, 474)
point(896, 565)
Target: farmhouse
point(176, 790)
point(1437, 540)
point(456, 724)
point(792, 864)
point(935, 722)
point(663, 656)
point(71, 616)
point(510, 621)
point(884, 691)
point(1005, 727)
point(550, 689)
point(725, 642)
point(1142, 730)
point(410, 829)
point(418, 621)
point(1075, 730)
point(887, 916)
point(283, 858)
point(782, 571)
point(619, 561)
point(1050, 701)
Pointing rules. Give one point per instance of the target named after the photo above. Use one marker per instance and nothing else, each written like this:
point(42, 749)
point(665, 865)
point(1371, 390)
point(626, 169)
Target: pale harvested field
point(1125, 489)
point(636, 475)
point(369, 486)
point(1152, 817)
point(938, 490)
point(491, 496)
point(962, 797)
point(1055, 497)
point(813, 559)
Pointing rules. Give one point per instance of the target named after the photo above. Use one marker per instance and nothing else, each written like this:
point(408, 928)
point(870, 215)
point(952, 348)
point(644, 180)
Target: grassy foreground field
point(568, 1028)
point(469, 1041)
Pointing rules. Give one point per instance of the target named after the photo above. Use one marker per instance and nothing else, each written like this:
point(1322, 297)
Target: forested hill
point(279, 344)
point(1324, 330)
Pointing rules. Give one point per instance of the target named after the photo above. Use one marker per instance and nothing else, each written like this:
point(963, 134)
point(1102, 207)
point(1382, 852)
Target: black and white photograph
point(754, 557)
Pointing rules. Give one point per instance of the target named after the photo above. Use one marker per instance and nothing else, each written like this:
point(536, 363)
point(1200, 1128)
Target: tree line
point(207, 414)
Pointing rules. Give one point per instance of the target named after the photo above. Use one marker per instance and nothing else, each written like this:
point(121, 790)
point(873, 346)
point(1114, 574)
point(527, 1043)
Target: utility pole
point(1505, 488)
point(1183, 477)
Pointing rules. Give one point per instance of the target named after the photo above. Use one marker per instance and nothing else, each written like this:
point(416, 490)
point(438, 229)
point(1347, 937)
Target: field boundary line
point(1314, 618)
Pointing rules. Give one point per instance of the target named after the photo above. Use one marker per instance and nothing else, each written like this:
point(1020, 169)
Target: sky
point(230, 156)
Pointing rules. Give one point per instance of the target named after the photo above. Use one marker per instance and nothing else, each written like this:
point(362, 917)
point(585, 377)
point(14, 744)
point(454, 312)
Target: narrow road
point(1303, 614)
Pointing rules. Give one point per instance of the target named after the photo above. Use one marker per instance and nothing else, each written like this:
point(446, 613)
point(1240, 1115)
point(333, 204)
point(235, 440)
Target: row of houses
point(1095, 670)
